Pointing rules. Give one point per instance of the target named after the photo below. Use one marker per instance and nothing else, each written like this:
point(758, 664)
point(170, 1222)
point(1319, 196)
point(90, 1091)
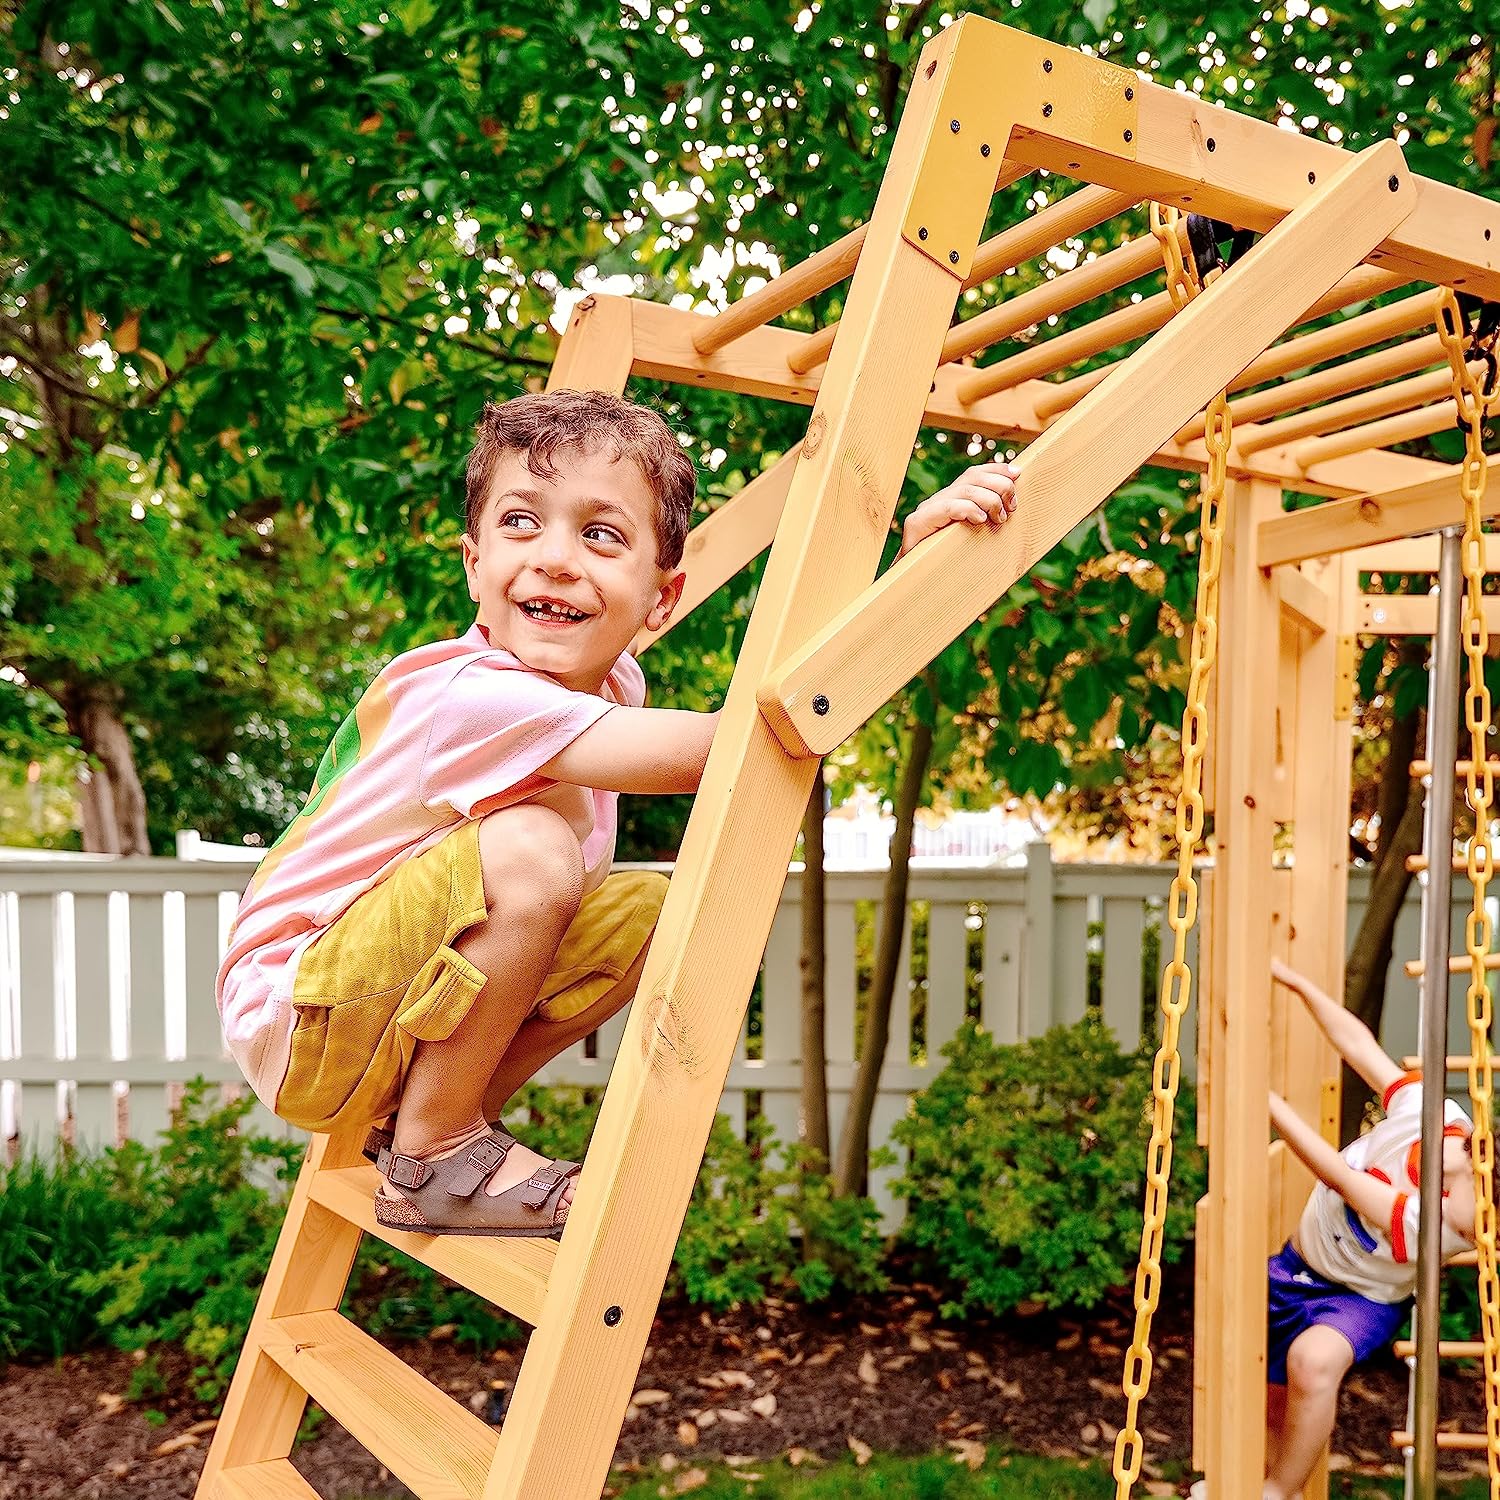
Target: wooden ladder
point(824, 649)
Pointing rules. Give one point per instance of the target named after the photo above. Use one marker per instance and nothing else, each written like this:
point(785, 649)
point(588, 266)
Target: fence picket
point(94, 1122)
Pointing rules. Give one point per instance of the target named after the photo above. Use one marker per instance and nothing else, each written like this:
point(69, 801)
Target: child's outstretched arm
point(641, 750)
point(1354, 1040)
point(1366, 1195)
point(984, 493)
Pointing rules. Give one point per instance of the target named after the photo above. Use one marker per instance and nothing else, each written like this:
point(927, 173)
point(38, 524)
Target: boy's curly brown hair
point(541, 424)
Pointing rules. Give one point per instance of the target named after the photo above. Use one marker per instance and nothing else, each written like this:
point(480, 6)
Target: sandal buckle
point(403, 1171)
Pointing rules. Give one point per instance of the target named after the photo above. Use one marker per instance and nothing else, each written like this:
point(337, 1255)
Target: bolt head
point(953, 126)
point(1047, 65)
point(1046, 109)
point(820, 705)
point(1130, 93)
point(922, 234)
point(1130, 135)
point(612, 1316)
point(984, 150)
point(1393, 182)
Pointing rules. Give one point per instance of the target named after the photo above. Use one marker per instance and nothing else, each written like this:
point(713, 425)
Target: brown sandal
point(447, 1196)
point(381, 1137)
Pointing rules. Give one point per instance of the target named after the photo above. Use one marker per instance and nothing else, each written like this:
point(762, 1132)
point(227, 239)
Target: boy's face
point(564, 569)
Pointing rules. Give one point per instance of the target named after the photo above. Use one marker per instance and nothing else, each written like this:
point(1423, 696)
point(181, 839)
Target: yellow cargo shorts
point(385, 976)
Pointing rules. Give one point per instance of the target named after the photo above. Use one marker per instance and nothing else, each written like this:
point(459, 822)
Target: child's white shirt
point(1379, 1260)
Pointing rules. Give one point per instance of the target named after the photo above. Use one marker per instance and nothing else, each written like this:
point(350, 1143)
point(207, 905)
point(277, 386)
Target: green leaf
point(300, 273)
point(1098, 12)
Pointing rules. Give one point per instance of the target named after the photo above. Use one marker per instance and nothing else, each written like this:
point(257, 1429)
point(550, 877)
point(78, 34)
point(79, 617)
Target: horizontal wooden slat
point(509, 1272)
point(1461, 1442)
point(1415, 968)
point(1447, 1349)
point(273, 1480)
point(1460, 767)
point(425, 1438)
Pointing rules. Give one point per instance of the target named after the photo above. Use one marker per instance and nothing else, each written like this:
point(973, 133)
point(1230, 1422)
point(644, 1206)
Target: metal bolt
point(1047, 65)
point(1130, 135)
point(922, 233)
point(953, 126)
point(1046, 109)
point(1393, 182)
point(1130, 93)
point(1213, 145)
point(984, 150)
point(612, 1316)
point(953, 257)
point(1312, 176)
point(820, 705)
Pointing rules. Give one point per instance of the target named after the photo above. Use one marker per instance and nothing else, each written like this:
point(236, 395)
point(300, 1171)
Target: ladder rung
point(1415, 968)
point(1463, 1258)
point(510, 1272)
point(1416, 864)
point(1460, 767)
point(275, 1479)
point(426, 1439)
point(1447, 1349)
point(1472, 1442)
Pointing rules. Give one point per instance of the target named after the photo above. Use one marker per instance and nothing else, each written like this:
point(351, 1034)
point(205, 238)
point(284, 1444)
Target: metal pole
point(1437, 842)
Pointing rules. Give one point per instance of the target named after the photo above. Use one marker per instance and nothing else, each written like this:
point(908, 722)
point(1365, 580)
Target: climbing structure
point(826, 646)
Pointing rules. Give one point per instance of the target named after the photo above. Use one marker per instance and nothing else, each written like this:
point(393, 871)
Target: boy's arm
point(644, 750)
point(1354, 1040)
point(1367, 1196)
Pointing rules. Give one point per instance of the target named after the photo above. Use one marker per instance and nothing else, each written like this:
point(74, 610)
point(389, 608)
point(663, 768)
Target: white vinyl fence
point(107, 971)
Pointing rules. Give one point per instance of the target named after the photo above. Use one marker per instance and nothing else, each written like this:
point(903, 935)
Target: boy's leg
point(533, 883)
point(538, 1041)
point(1317, 1362)
point(1275, 1421)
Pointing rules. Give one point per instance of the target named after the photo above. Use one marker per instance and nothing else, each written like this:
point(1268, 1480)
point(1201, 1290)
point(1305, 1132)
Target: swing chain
point(1476, 398)
point(1183, 284)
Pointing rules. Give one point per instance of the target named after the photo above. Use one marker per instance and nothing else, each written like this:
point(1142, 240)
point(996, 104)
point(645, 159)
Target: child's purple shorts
point(1301, 1299)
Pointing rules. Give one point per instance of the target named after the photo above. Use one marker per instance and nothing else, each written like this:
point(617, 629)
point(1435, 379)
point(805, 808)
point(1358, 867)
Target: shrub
point(57, 1219)
point(1027, 1164)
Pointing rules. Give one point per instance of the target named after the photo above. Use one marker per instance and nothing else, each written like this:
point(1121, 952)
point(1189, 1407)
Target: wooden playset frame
point(826, 646)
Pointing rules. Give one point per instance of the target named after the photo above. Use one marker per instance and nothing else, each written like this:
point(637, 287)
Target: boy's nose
point(556, 557)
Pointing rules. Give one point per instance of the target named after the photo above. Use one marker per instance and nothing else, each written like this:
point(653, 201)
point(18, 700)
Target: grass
point(940, 1477)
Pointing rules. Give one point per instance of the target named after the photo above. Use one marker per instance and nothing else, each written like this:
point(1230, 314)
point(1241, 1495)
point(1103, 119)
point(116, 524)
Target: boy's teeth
point(555, 611)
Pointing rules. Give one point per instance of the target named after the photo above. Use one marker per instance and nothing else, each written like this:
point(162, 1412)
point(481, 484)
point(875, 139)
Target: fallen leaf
point(733, 1417)
point(443, 1331)
point(371, 123)
point(900, 1362)
point(919, 1344)
point(109, 1403)
point(1089, 1433)
point(739, 1460)
point(1110, 1391)
point(861, 1451)
point(967, 1451)
point(687, 1434)
point(667, 1462)
point(649, 1398)
point(736, 1377)
point(824, 1355)
point(175, 1445)
point(1069, 1341)
point(706, 1418)
point(796, 1457)
point(868, 1373)
point(764, 1406)
point(690, 1479)
point(870, 1331)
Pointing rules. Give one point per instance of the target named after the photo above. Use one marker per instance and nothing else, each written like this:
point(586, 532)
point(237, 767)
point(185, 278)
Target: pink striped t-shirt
point(449, 732)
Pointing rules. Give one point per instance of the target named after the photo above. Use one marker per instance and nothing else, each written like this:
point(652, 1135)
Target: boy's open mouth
point(551, 612)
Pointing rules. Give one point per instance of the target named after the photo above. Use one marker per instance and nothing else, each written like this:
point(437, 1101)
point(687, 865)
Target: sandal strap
point(402, 1171)
point(478, 1163)
point(545, 1181)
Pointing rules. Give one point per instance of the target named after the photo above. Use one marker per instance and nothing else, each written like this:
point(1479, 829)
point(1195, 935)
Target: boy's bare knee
point(531, 858)
point(1317, 1364)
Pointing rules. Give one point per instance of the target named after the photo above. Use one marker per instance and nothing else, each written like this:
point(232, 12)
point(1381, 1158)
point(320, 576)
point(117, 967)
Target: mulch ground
point(886, 1372)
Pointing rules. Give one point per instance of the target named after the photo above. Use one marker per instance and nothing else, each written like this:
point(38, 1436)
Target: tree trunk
point(117, 818)
point(854, 1139)
point(1402, 805)
point(814, 965)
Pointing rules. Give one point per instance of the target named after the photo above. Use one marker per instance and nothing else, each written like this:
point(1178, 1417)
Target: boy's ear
point(471, 565)
point(667, 600)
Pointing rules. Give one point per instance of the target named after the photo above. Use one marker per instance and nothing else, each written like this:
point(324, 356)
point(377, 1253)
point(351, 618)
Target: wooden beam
point(1413, 554)
point(824, 690)
point(1074, 215)
point(1304, 601)
point(756, 365)
point(1410, 614)
point(1346, 525)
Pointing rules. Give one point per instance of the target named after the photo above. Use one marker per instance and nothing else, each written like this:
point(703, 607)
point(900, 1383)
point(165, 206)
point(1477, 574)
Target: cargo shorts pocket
point(440, 996)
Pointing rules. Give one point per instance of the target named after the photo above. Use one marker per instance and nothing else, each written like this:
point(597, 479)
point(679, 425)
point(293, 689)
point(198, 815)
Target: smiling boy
point(440, 919)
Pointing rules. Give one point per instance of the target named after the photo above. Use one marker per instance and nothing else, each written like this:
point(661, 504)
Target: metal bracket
point(998, 78)
point(1343, 678)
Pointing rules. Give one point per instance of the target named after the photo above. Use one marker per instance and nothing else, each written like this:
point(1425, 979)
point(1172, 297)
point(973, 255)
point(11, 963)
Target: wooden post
point(1245, 928)
point(1037, 950)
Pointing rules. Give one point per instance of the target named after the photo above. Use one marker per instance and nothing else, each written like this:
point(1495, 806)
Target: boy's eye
point(599, 532)
point(519, 520)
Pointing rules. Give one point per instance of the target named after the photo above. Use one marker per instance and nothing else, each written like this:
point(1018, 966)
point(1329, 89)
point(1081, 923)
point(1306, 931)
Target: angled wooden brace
point(822, 692)
point(1347, 525)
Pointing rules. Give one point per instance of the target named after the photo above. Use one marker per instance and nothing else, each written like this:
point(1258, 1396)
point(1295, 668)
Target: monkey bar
point(828, 642)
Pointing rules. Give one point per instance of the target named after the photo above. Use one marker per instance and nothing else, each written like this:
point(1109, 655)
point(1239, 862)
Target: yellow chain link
point(1177, 978)
point(1473, 406)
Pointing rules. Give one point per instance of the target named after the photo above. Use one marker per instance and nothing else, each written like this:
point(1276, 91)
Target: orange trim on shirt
point(1414, 1163)
point(1398, 1230)
point(1379, 1175)
point(1400, 1083)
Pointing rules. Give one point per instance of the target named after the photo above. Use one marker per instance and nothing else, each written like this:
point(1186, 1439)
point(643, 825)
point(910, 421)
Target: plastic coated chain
point(1177, 977)
point(1473, 406)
